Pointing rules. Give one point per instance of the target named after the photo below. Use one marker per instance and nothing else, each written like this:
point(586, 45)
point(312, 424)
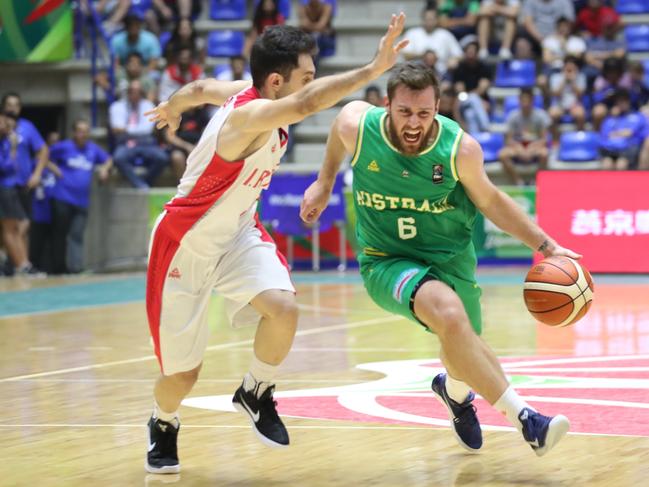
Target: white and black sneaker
point(162, 448)
point(262, 412)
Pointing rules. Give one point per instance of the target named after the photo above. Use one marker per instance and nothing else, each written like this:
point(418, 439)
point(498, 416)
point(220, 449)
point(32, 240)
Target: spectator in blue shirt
point(622, 135)
point(135, 39)
point(76, 159)
point(11, 209)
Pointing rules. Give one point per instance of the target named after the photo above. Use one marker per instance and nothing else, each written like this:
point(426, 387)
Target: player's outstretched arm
point(341, 142)
point(498, 206)
point(196, 93)
point(263, 115)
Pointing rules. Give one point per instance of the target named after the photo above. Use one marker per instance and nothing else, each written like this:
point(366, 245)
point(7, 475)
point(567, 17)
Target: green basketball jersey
point(410, 206)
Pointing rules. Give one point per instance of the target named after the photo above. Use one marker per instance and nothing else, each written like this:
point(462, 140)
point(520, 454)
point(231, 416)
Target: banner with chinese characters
point(35, 31)
point(603, 215)
point(491, 243)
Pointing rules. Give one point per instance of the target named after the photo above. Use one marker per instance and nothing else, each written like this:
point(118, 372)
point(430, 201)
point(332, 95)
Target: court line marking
point(291, 427)
point(221, 346)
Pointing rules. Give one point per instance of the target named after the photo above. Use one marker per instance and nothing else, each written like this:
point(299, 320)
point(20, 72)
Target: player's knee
point(188, 378)
point(283, 308)
point(452, 320)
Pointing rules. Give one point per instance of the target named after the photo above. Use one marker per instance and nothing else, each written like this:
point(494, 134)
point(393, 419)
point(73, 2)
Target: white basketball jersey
point(216, 199)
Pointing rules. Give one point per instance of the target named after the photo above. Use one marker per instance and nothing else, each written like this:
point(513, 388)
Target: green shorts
point(390, 282)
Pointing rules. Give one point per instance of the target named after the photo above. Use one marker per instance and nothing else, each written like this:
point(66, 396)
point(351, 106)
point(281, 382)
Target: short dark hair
point(373, 88)
point(8, 95)
point(78, 121)
point(133, 54)
point(278, 50)
point(572, 59)
point(527, 91)
point(415, 76)
point(622, 94)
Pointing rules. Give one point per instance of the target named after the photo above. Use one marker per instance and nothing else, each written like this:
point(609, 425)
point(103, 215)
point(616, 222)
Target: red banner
point(603, 215)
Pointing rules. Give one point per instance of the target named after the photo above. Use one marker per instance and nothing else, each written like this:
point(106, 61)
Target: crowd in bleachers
point(533, 80)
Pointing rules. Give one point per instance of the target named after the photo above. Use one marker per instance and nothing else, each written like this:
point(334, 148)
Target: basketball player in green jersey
point(418, 182)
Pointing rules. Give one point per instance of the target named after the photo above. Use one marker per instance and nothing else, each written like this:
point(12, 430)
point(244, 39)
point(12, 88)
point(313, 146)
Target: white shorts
point(179, 285)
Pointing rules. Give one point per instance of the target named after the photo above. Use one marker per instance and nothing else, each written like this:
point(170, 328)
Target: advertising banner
point(603, 215)
point(491, 243)
point(35, 31)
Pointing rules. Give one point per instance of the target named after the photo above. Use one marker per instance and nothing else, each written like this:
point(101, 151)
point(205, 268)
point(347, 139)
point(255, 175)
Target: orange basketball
point(558, 291)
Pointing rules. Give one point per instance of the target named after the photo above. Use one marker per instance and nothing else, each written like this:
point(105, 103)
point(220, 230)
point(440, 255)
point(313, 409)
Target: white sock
point(456, 389)
point(511, 404)
point(172, 418)
point(261, 375)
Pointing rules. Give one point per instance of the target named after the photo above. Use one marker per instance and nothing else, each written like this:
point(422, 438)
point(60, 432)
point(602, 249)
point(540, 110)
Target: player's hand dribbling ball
point(558, 291)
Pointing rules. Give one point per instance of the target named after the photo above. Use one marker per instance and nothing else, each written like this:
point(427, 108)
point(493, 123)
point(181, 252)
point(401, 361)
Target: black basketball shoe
point(162, 449)
point(263, 415)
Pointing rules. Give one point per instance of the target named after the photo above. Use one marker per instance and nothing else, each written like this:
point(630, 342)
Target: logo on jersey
point(174, 273)
point(374, 167)
point(438, 174)
point(405, 174)
point(402, 280)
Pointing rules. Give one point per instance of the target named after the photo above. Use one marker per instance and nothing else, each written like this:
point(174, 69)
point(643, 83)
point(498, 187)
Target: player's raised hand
point(316, 198)
point(390, 46)
point(164, 116)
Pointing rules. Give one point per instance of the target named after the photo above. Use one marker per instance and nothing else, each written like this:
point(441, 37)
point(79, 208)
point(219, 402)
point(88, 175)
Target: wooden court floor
point(76, 374)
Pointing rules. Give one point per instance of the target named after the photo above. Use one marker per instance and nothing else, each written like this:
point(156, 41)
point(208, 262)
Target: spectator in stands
point(176, 75)
point(429, 59)
point(113, 11)
point(471, 80)
point(32, 156)
point(134, 69)
point(449, 105)
point(135, 39)
point(639, 90)
point(613, 78)
point(526, 137)
point(182, 141)
point(237, 70)
point(315, 17)
point(539, 18)
point(606, 46)
point(266, 14)
point(592, 19)
point(622, 134)
point(567, 87)
point(136, 144)
point(460, 17)
point(373, 96)
point(562, 43)
point(497, 18)
point(431, 37)
point(184, 35)
point(76, 158)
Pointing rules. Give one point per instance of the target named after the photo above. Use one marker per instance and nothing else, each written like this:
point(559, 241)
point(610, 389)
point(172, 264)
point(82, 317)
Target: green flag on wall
point(35, 30)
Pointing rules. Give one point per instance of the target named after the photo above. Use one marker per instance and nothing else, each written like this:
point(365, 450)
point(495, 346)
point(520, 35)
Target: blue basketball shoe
point(542, 432)
point(462, 416)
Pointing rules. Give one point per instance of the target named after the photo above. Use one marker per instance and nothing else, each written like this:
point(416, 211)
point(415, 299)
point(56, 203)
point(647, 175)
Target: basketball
point(558, 291)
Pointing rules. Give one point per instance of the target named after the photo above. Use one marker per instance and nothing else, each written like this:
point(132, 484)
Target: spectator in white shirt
point(429, 37)
point(561, 44)
point(136, 145)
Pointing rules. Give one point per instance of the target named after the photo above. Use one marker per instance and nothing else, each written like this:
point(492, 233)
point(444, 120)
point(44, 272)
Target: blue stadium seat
point(228, 9)
point(515, 74)
point(164, 38)
point(632, 6)
point(637, 37)
point(578, 146)
point(491, 144)
point(220, 68)
point(645, 63)
point(225, 43)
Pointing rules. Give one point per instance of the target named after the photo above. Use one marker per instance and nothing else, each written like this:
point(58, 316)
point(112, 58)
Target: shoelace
point(466, 414)
point(268, 403)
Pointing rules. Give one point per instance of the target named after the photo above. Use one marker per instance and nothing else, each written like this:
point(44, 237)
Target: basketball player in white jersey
point(209, 237)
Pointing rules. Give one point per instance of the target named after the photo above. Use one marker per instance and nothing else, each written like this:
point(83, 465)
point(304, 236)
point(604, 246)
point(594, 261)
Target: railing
point(88, 25)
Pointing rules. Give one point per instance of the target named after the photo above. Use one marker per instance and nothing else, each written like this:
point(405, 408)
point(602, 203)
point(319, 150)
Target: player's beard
point(396, 140)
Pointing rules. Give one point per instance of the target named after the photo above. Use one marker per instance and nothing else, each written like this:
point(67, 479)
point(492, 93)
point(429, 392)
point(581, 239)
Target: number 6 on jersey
point(407, 228)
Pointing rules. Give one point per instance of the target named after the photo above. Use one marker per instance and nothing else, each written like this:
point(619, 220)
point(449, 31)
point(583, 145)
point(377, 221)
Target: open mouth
point(412, 137)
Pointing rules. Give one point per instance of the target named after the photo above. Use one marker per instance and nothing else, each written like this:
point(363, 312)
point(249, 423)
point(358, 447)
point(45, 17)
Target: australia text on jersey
point(380, 202)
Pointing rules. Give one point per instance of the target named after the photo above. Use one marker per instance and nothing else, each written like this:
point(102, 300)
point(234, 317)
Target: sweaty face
point(411, 118)
point(300, 76)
